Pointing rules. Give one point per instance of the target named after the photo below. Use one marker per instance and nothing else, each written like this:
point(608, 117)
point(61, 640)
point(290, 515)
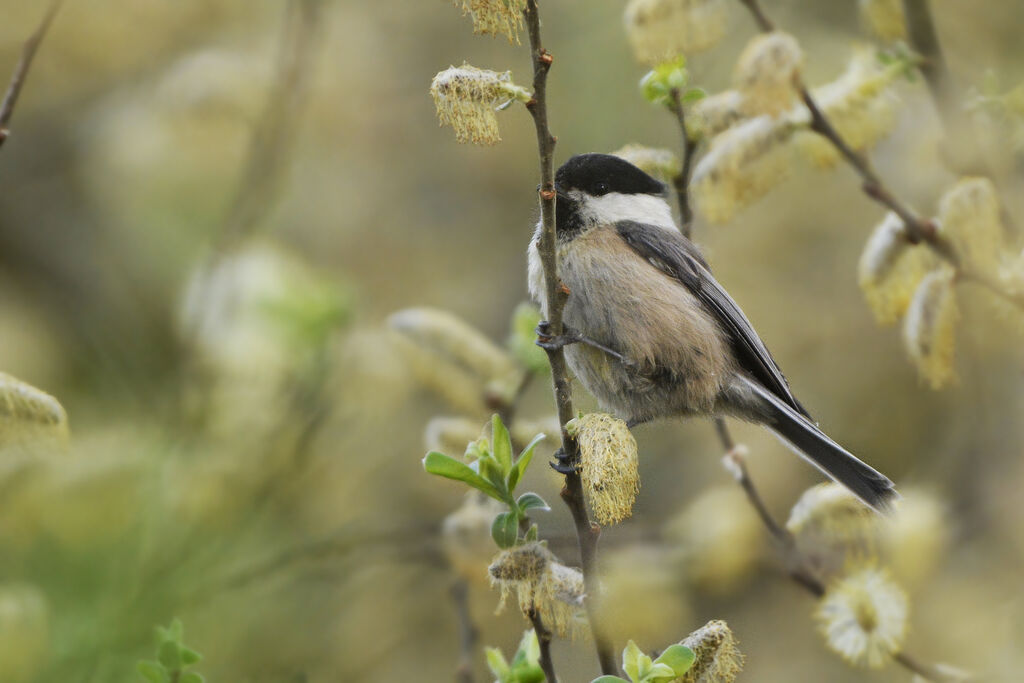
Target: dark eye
point(601, 188)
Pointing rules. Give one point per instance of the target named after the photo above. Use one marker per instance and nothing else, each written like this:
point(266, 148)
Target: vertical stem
point(28, 52)
point(468, 632)
point(682, 181)
point(587, 533)
point(544, 640)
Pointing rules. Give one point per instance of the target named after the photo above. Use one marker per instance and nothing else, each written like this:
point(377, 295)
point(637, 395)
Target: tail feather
point(867, 483)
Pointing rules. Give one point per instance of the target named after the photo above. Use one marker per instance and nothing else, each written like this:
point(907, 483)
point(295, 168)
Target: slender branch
point(682, 181)
point(587, 533)
point(934, 68)
point(28, 53)
point(798, 567)
point(544, 639)
point(469, 634)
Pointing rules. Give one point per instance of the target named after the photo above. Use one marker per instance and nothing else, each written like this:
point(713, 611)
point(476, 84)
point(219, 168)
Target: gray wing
point(677, 257)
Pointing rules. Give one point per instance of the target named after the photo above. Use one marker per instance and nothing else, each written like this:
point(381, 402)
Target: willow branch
point(682, 181)
point(919, 229)
point(544, 640)
point(798, 568)
point(925, 42)
point(587, 533)
point(469, 634)
point(28, 53)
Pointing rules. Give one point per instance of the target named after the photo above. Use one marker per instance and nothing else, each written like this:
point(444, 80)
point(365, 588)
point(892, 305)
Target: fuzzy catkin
point(929, 330)
point(767, 73)
point(661, 30)
point(608, 466)
point(466, 99)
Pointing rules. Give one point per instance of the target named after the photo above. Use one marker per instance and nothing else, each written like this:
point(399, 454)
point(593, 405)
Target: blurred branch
point(798, 567)
point(269, 151)
point(28, 53)
point(918, 228)
point(682, 181)
point(544, 640)
point(587, 533)
point(468, 632)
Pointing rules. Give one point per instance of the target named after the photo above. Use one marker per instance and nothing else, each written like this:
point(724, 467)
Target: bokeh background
point(204, 280)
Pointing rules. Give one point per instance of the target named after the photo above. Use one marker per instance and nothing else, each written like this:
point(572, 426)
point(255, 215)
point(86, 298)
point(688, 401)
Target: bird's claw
point(563, 463)
point(551, 342)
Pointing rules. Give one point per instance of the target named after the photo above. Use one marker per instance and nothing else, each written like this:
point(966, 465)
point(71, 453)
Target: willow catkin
point(466, 98)
point(608, 466)
point(861, 105)
point(495, 17)
point(969, 217)
point(929, 330)
point(743, 164)
point(714, 114)
point(660, 163)
point(767, 72)
point(890, 269)
point(717, 656)
point(863, 617)
point(29, 415)
point(661, 30)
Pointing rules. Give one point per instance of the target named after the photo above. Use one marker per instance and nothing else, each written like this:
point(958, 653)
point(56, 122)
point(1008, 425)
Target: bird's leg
point(549, 342)
point(563, 464)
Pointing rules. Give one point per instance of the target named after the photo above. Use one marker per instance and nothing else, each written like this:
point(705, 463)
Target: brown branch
point(925, 42)
point(682, 181)
point(587, 533)
point(544, 640)
point(798, 568)
point(469, 634)
point(28, 53)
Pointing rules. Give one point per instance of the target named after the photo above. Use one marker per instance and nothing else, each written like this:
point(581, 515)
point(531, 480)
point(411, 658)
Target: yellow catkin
point(657, 162)
point(929, 330)
point(541, 583)
point(861, 104)
point(661, 30)
point(608, 466)
point(830, 526)
point(914, 538)
point(29, 415)
point(766, 73)
point(969, 216)
point(884, 18)
point(718, 658)
point(863, 617)
point(743, 164)
point(495, 17)
point(714, 114)
point(466, 99)
point(890, 270)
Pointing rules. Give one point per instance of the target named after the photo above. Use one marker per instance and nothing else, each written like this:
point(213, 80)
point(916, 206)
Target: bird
point(651, 334)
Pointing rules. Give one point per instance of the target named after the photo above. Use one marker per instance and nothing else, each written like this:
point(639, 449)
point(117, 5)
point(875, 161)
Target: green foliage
point(173, 657)
point(492, 470)
point(522, 338)
point(525, 666)
point(670, 665)
point(659, 83)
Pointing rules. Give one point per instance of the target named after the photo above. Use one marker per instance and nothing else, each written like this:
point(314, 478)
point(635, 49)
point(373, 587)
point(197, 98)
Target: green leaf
point(192, 677)
point(151, 671)
point(631, 656)
point(491, 471)
point(694, 95)
point(658, 672)
point(169, 654)
point(657, 85)
point(609, 679)
point(531, 534)
point(448, 467)
point(496, 662)
point(176, 630)
point(505, 529)
point(502, 444)
point(523, 461)
point(190, 656)
point(531, 501)
point(679, 658)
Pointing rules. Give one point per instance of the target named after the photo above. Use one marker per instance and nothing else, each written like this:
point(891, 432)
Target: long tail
point(867, 483)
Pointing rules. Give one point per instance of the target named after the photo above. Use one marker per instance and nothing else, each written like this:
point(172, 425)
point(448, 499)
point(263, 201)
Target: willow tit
point(648, 330)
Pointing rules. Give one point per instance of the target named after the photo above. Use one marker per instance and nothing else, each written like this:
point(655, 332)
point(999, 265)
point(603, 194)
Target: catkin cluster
point(540, 583)
point(660, 30)
point(608, 466)
point(467, 98)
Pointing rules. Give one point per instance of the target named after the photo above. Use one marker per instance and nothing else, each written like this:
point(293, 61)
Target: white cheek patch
point(641, 208)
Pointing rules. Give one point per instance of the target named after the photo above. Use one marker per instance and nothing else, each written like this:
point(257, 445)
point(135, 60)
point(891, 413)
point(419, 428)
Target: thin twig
point(544, 640)
point(469, 634)
point(925, 42)
point(799, 569)
point(587, 533)
point(682, 181)
point(28, 53)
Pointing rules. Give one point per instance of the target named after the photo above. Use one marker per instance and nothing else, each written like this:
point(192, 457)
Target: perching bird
point(650, 333)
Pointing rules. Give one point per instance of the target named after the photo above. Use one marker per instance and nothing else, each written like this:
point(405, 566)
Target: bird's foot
point(563, 463)
point(550, 342)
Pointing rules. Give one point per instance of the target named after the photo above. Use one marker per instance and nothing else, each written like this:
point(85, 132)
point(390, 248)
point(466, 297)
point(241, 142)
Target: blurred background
point(209, 209)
